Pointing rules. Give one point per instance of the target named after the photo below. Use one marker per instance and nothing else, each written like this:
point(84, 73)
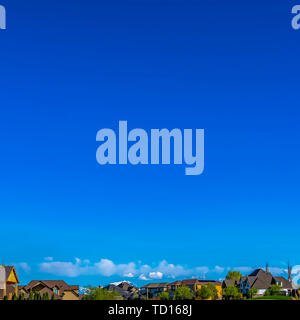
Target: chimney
point(267, 267)
point(289, 273)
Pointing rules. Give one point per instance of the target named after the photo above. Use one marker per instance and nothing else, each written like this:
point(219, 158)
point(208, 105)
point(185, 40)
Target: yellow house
point(217, 284)
point(194, 285)
point(8, 282)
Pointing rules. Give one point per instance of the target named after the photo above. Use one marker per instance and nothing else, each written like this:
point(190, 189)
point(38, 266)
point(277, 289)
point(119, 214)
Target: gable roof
point(286, 284)
point(9, 270)
point(228, 283)
point(50, 285)
point(124, 293)
point(261, 279)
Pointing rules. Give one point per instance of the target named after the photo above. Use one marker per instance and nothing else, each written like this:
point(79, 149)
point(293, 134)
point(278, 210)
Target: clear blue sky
point(70, 68)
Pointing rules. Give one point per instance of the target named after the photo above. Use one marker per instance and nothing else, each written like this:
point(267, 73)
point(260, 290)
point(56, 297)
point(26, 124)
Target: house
point(8, 282)
point(217, 284)
point(191, 283)
point(125, 289)
point(230, 282)
point(128, 287)
point(125, 295)
point(262, 280)
point(152, 290)
point(59, 289)
point(194, 285)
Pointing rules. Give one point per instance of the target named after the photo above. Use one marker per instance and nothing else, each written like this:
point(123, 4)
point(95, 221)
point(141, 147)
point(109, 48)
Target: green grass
point(272, 298)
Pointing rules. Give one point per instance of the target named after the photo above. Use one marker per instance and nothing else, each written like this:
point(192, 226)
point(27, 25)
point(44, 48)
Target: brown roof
point(186, 282)
point(50, 285)
point(191, 282)
point(156, 285)
point(60, 284)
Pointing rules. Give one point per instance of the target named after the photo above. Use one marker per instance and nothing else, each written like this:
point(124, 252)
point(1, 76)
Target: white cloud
point(143, 277)
point(24, 266)
point(108, 268)
point(129, 275)
point(219, 269)
point(155, 275)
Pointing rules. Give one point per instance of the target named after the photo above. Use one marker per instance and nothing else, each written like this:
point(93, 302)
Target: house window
point(55, 291)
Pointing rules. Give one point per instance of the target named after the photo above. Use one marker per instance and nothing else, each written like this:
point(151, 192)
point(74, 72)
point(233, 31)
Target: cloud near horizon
point(108, 268)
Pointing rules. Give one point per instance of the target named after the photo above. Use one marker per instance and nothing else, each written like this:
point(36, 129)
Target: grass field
point(272, 298)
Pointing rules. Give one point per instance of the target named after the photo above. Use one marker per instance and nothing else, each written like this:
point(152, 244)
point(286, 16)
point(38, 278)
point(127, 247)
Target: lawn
point(272, 298)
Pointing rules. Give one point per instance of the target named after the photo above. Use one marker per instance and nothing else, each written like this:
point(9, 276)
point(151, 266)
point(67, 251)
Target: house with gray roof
point(262, 280)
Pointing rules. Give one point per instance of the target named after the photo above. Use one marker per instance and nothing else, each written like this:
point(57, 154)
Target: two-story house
point(8, 282)
point(59, 289)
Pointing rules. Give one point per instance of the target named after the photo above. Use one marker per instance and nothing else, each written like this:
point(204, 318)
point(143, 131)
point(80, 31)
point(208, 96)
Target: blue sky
point(69, 70)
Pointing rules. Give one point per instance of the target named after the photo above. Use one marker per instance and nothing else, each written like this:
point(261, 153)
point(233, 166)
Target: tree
point(164, 295)
point(102, 294)
point(5, 298)
point(30, 297)
point(37, 296)
point(204, 292)
point(52, 297)
point(252, 292)
point(45, 296)
point(233, 275)
point(275, 290)
point(232, 292)
point(14, 297)
point(22, 296)
point(213, 290)
point(183, 293)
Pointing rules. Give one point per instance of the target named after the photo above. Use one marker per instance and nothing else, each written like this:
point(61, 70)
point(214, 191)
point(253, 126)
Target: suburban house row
point(261, 280)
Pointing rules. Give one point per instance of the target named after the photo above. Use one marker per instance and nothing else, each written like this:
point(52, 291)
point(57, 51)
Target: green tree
point(204, 292)
point(102, 294)
point(52, 297)
point(164, 295)
point(21, 296)
point(275, 290)
point(214, 291)
point(232, 293)
point(183, 293)
point(30, 297)
point(45, 296)
point(14, 297)
point(252, 292)
point(233, 275)
point(37, 296)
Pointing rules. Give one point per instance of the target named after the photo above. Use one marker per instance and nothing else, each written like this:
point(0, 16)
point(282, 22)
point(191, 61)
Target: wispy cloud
point(24, 266)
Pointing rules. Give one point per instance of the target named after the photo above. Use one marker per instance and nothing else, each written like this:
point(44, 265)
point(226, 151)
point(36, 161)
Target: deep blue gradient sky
point(70, 68)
